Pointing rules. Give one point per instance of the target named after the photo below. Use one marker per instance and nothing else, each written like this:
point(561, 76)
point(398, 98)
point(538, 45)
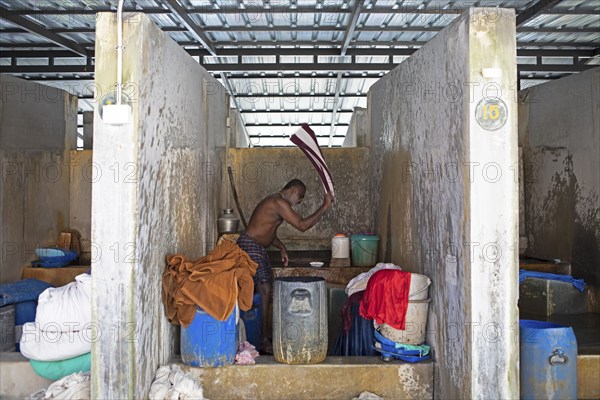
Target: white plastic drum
point(419, 287)
point(340, 246)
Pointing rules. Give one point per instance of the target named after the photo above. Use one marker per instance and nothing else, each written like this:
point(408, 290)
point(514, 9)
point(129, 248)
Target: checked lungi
point(259, 254)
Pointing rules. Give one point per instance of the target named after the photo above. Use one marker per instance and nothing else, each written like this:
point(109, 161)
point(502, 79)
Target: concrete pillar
point(153, 195)
point(88, 130)
point(444, 167)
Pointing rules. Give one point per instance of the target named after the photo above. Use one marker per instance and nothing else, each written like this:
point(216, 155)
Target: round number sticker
point(491, 113)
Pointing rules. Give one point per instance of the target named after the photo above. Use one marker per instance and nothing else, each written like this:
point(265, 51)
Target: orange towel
point(213, 282)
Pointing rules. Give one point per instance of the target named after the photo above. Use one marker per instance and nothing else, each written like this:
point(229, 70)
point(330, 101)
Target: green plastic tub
point(364, 250)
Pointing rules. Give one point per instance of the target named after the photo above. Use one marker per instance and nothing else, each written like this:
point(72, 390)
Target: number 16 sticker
point(491, 113)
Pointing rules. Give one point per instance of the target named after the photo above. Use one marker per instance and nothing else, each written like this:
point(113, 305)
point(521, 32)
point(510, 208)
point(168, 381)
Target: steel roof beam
point(287, 95)
point(338, 82)
point(250, 10)
point(252, 125)
point(189, 23)
point(535, 10)
point(311, 28)
point(271, 45)
point(305, 111)
point(41, 30)
point(373, 67)
point(287, 137)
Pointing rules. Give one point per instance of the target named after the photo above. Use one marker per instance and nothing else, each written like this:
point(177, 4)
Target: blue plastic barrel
point(252, 321)
point(548, 360)
point(208, 342)
point(24, 312)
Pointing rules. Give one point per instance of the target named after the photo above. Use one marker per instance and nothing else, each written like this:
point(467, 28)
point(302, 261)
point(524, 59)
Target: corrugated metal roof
point(293, 88)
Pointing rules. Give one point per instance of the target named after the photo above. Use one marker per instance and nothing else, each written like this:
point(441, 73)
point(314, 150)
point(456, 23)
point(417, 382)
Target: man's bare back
point(276, 208)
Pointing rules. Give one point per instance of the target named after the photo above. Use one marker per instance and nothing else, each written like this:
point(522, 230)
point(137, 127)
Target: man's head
point(295, 189)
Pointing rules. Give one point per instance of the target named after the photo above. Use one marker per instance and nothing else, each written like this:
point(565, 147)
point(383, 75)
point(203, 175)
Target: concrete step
point(17, 379)
point(335, 378)
point(588, 376)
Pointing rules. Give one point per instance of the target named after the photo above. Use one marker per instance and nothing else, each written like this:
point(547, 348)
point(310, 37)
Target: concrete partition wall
point(559, 130)
point(358, 131)
point(259, 172)
point(156, 193)
point(38, 128)
point(446, 205)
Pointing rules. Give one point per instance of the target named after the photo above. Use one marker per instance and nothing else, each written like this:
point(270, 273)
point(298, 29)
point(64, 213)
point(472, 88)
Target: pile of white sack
point(63, 323)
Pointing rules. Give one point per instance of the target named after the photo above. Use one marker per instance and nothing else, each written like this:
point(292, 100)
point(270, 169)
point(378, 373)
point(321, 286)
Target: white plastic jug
point(340, 246)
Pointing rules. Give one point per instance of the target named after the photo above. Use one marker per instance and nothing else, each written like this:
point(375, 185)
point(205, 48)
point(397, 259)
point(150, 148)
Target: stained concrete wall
point(38, 127)
point(237, 134)
point(88, 130)
point(559, 130)
point(358, 132)
point(80, 200)
point(259, 172)
point(446, 199)
point(154, 196)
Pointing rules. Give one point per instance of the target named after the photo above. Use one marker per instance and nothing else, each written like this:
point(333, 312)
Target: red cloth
point(355, 298)
point(386, 298)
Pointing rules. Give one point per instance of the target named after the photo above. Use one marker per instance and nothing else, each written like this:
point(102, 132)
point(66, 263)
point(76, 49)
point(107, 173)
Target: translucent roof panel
point(283, 58)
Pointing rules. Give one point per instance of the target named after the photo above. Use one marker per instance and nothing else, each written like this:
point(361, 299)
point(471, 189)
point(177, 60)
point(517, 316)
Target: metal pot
point(228, 222)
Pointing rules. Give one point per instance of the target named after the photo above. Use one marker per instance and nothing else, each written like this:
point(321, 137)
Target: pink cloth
point(306, 140)
point(386, 298)
point(246, 354)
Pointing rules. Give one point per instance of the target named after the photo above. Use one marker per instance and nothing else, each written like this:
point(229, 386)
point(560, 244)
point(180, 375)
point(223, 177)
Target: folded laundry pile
point(59, 342)
point(23, 296)
point(397, 302)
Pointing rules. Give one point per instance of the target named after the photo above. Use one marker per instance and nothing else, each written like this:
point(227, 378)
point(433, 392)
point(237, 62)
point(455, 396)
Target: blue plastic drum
point(208, 342)
point(252, 321)
point(548, 360)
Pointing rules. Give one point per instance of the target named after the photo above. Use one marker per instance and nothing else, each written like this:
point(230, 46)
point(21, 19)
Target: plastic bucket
point(415, 326)
point(548, 360)
point(208, 342)
point(364, 250)
point(419, 287)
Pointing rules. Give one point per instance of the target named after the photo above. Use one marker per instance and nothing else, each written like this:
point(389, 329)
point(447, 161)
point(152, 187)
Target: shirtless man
point(262, 232)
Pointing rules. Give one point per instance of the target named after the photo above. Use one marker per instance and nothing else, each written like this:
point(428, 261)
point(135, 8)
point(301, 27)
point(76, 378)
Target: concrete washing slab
point(335, 378)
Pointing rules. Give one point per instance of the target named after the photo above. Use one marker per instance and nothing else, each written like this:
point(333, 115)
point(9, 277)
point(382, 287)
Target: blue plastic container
point(24, 312)
point(54, 257)
point(252, 321)
point(548, 360)
point(208, 342)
